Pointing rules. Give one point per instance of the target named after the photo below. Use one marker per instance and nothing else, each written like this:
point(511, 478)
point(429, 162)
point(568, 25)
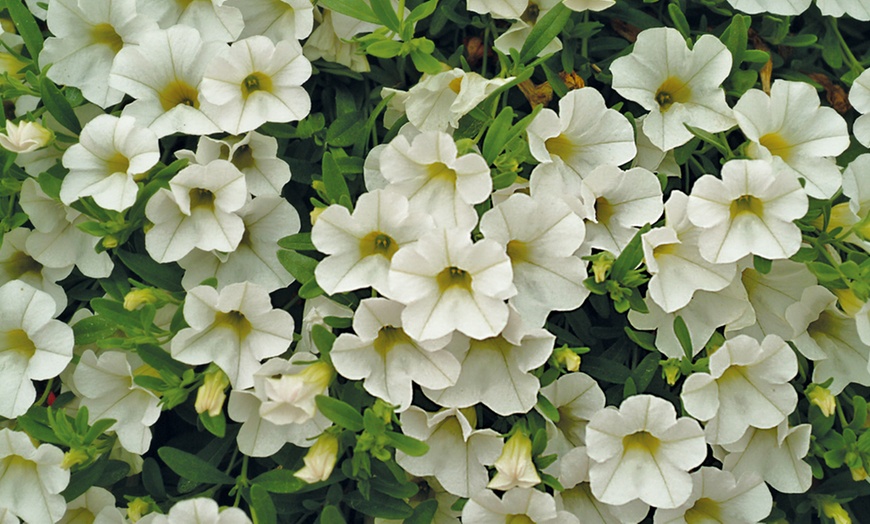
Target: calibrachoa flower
point(642, 451)
point(514, 468)
point(197, 511)
point(17, 264)
point(576, 397)
point(278, 20)
point(31, 478)
point(859, 97)
point(719, 495)
point(676, 84)
point(236, 329)
point(96, 505)
point(519, 505)
point(214, 20)
point(320, 459)
point(773, 454)
point(25, 136)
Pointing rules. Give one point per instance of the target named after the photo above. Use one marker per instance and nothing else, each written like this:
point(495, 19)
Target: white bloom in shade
point(236, 329)
point(164, 74)
point(197, 511)
point(449, 284)
point(706, 312)
point(748, 385)
point(779, 7)
point(514, 467)
point(254, 154)
point(31, 478)
point(108, 391)
point(516, 35)
point(677, 85)
point(427, 171)
point(653, 158)
point(589, 5)
point(33, 346)
point(718, 496)
point(623, 200)
point(95, 505)
point(496, 371)
point(577, 397)
point(290, 392)
point(314, 314)
point(499, 9)
point(457, 453)
point(857, 9)
point(777, 126)
point(215, 20)
point(361, 245)
point(325, 43)
point(87, 38)
point(519, 505)
point(320, 459)
point(259, 437)
point(540, 240)
point(256, 81)
point(197, 211)
point(25, 136)
point(859, 97)
point(672, 258)
point(387, 359)
point(276, 19)
point(111, 152)
point(17, 264)
point(751, 210)
point(774, 455)
point(580, 502)
point(548, 182)
point(267, 219)
point(584, 135)
point(642, 450)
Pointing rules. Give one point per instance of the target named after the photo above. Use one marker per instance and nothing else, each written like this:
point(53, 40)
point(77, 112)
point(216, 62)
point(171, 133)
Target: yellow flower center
point(455, 84)
point(234, 320)
point(746, 204)
point(641, 441)
point(672, 91)
point(530, 15)
point(117, 164)
point(704, 510)
point(105, 34)
point(517, 251)
point(200, 197)
point(256, 82)
point(21, 264)
point(388, 338)
point(243, 157)
point(777, 145)
point(178, 92)
point(453, 277)
point(560, 146)
point(603, 210)
point(439, 170)
point(377, 243)
point(17, 341)
point(518, 519)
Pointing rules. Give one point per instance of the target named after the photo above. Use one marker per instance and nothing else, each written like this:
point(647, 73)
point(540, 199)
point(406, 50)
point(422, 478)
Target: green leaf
point(217, 426)
point(57, 105)
point(83, 479)
point(384, 49)
point(762, 265)
point(191, 467)
point(421, 11)
point(26, 26)
point(605, 369)
point(644, 372)
point(340, 412)
point(383, 9)
point(424, 513)
point(425, 62)
point(299, 265)
point(643, 339)
point(710, 138)
point(803, 40)
point(496, 136)
point(91, 329)
point(736, 36)
point(164, 276)
point(310, 290)
point(352, 8)
point(345, 130)
point(333, 181)
point(379, 505)
point(547, 408)
point(152, 479)
point(629, 389)
point(262, 508)
point(159, 359)
point(679, 20)
point(332, 515)
point(408, 445)
point(99, 427)
point(323, 338)
point(545, 30)
point(630, 257)
point(280, 481)
point(683, 336)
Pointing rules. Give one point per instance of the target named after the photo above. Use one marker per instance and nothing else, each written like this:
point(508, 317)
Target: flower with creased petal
point(718, 495)
point(197, 511)
point(520, 506)
point(774, 454)
point(25, 136)
point(514, 468)
point(31, 478)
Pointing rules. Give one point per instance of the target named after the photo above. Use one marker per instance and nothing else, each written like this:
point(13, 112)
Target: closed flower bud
point(210, 396)
point(822, 398)
point(833, 510)
point(320, 459)
point(567, 358)
point(515, 467)
point(25, 137)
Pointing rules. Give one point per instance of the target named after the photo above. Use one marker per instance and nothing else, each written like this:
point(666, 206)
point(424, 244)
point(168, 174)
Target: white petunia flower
point(199, 210)
point(642, 451)
point(653, 158)
point(748, 385)
point(751, 210)
point(96, 505)
point(290, 390)
point(24, 137)
point(859, 97)
point(108, 391)
point(773, 454)
point(623, 200)
point(87, 39)
point(361, 245)
point(31, 479)
point(779, 7)
point(325, 43)
point(256, 81)
point(777, 126)
point(17, 264)
point(267, 219)
point(104, 164)
point(577, 397)
point(277, 19)
point(516, 35)
point(197, 511)
point(857, 9)
point(427, 171)
point(33, 346)
point(677, 85)
point(580, 502)
point(582, 136)
point(540, 240)
point(236, 329)
point(458, 453)
point(387, 359)
point(214, 19)
point(164, 74)
point(718, 495)
point(514, 467)
point(314, 314)
point(448, 283)
point(521, 505)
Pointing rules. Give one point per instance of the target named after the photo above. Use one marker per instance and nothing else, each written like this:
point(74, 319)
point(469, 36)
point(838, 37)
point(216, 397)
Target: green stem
point(855, 63)
point(45, 393)
point(243, 480)
point(584, 43)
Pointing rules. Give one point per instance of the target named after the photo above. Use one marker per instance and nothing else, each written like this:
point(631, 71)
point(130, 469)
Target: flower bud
point(822, 398)
point(320, 459)
point(25, 137)
point(567, 358)
point(850, 303)
point(210, 396)
point(290, 398)
point(833, 510)
point(515, 467)
point(601, 265)
point(671, 369)
point(859, 473)
point(138, 298)
point(74, 457)
point(137, 508)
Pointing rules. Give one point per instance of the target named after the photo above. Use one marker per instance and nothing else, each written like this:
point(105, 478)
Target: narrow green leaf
point(323, 338)
point(679, 20)
point(340, 412)
point(333, 180)
point(99, 427)
point(630, 257)
point(57, 105)
point(191, 467)
point(644, 372)
point(159, 359)
point(91, 329)
point(762, 265)
point(545, 30)
point(262, 508)
point(547, 408)
point(152, 479)
point(345, 130)
point(83, 479)
point(26, 26)
point(217, 426)
point(408, 445)
point(379, 505)
point(352, 8)
point(422, 11)
point(384, 49)
point(164, 276)
point(425, 62)
point(496, 136)
point(683, 336)
point(643, 339)
point(299, 265)
point(332, 515)
point(383, 9)
point(280, 481)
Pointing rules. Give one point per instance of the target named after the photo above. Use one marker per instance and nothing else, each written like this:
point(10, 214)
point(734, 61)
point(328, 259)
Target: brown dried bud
point(572, 80)
point(474, 49)
point(625, 30)
point(836, 95)
point(536, 94)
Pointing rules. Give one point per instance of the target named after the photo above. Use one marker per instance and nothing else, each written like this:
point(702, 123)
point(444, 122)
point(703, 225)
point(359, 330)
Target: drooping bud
point(25, 137)
point(320, 459)
point(833, 510)
point(210, 396)
point(822, 398)
point(137, 298)
point(567, 358)
point(515, 466)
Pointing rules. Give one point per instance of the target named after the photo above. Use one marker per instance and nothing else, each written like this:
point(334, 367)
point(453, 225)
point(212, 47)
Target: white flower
point(773, 454)
point(164, 74)
point(236, 329)
point(256, 81)
point(197, 211)
point(215, 20)
point(519, 505)
point(448, 283)
point(96, 504)
point(677, 85)
point(857, 9)
point(859, 97)
point(33, 346)
point(514, 467)
point(540, 240)
point(24, 137)
point(278, 20)
point(197, 511)
point(749, 211)
point(314, 314)
point(427, 171)
point(17, 264)
point(777, 126)
point(361, 245)
point(779, 7)
point(111, 152)
point(576, 397)
point(584, 135)
point(457, 453)
point(31, 478)
point(87, 38)
point(290, 391)
point(642, 450)
point(718, 495)
point(326, 43)
point(387, 359)
point(108, 391)
point(580, 502)
point(516, 35)
point(747, 386)
point(320, 459)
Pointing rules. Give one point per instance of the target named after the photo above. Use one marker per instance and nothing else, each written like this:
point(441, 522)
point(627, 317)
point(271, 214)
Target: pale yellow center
point(777, 145)
point(17, 341)
point(518, 519)
point(517, 251)
point(178, 92)
point(21, 264)
point(641, 441)
point(747, 204)
point(388, 338)
point(235, 321)
point(560, 146)
point(243, 157)
point(256, 82)
point(704, 510)
point(439, 170)
point(200, 197)
point(105, 34)
point(377, 243)
point(672, 91)
point(118, 164)
point(453, 277)
point(603, 210)
point(455, 84)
